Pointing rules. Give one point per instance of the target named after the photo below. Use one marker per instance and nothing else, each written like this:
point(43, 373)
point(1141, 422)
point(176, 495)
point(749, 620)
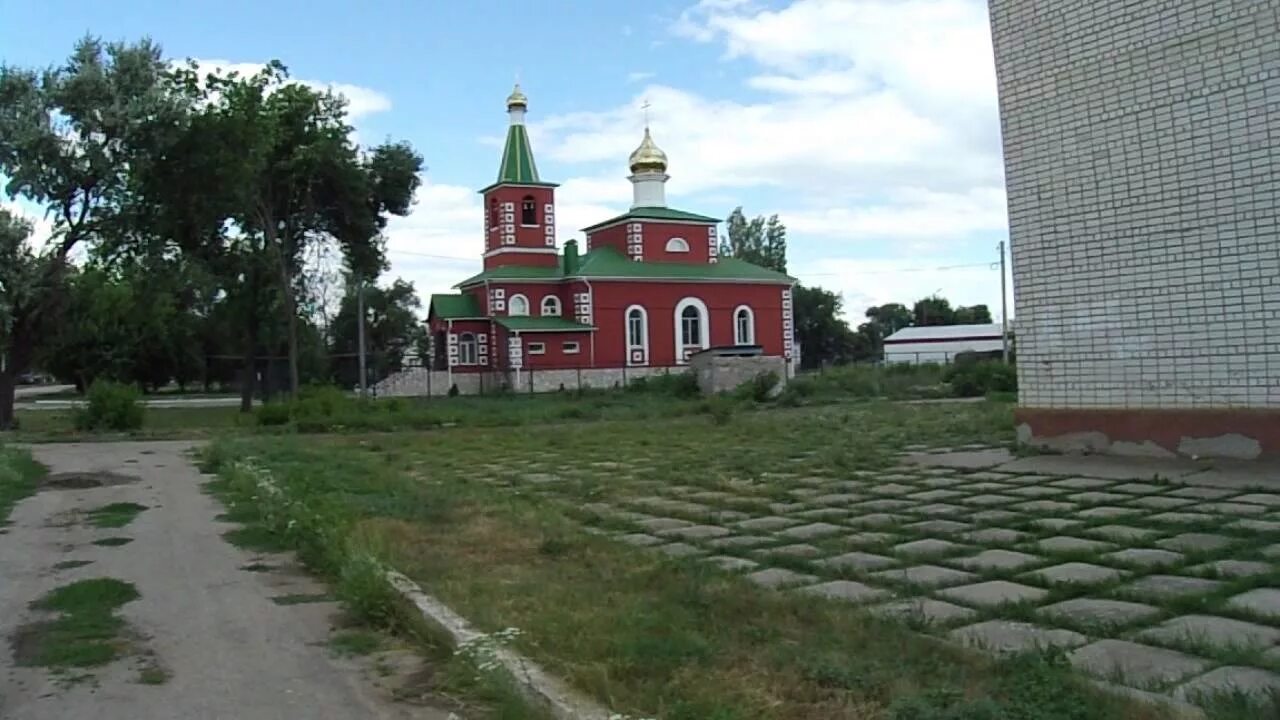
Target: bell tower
point(520, 209)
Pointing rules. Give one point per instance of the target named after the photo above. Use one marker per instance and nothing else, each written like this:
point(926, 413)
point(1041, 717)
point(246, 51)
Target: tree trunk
point(290, 307)
point(7, 386)
point(248, 382)
point(18, 362)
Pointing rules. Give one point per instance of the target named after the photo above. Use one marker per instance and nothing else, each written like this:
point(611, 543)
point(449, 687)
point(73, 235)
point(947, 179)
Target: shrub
point(759, 388)
point(273, 414)
point(453, 390)
point(111, 406)
point(977, 378)
point(720, 408)
point(679, 385)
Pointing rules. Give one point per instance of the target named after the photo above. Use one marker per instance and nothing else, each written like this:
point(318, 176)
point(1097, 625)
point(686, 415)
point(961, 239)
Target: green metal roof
point(454, 306)
point(653, 213)
point(522, 323)
point(605, 262)
point(517, 158)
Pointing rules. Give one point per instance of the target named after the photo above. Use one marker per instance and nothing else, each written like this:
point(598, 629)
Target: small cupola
point(648, 173)
point(648, 157)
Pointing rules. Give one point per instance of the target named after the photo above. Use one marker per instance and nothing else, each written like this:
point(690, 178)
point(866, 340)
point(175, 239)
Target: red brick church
point(647, 291)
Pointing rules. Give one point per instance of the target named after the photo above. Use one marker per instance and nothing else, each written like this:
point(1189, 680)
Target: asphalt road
point(229, 650)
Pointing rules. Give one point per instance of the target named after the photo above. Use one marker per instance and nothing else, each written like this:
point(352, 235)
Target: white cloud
point(41, 224)
point(638, 76)
point(911, 214)
point(361, 101)
point(864, 283)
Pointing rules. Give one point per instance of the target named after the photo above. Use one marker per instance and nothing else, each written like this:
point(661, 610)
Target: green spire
point(517, 158)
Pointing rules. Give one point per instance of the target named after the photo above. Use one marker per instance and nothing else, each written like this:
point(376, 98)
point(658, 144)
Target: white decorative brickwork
point(635, 241)
point(582, 307)
point(713, 245)
point(1142, 144)
point(788, 325)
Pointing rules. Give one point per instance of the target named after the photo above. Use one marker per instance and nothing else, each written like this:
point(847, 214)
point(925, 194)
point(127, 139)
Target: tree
point(973, 315)
point(823, 335)
point(759, 241)
point(889, 318)
point(933, 310)
point(392, 328)
point(68, 137)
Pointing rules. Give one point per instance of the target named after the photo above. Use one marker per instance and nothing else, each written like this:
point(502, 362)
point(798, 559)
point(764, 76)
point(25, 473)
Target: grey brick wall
point(1142, 146)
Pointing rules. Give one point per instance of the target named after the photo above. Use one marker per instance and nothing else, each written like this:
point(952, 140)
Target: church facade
point(645, 291)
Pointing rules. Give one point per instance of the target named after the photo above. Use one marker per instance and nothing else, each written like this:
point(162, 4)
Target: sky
point(870, 127)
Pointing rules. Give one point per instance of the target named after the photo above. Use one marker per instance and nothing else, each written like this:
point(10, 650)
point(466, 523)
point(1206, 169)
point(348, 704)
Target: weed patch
point(113, 541)
point(115, 515)
point(19, 477)
point(86, 633)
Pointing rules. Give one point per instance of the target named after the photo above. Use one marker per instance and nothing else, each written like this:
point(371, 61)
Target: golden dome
point(517, 98)
point(648, 156)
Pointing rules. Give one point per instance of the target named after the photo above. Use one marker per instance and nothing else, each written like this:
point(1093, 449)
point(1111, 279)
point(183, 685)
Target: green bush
point(110, 406)
point(679, 385)
point(977, 378)
point(759, 388)
point(278, 413)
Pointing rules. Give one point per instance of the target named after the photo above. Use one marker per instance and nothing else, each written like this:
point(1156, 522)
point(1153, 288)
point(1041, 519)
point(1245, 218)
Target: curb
point(534, 683)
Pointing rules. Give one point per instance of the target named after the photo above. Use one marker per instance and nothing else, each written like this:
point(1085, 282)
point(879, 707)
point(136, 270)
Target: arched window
point(529, 211)
point(637, 335)
point(693, 330)
point(744, 326)
point(518, 305)
point(677, 245)
point(551, 306)
point(467, 349)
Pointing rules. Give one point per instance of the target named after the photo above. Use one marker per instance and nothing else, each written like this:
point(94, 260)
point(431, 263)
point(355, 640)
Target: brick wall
point(1142, 145)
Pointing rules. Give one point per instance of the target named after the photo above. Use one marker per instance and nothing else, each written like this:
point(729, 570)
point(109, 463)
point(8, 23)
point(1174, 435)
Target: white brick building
point(1142, 154)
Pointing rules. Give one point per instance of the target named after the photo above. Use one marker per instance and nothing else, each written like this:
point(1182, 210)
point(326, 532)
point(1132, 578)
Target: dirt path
point(228, 650)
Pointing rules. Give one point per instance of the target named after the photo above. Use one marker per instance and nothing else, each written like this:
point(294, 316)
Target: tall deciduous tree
point(759, 241)
point(68, 138)
point(824, 336)
point(392, 328)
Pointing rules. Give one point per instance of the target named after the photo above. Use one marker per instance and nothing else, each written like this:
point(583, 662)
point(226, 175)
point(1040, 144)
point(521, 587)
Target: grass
point(86, 633)
point(113, 541)
point(115, 515)
point(257, 538)
point(158, 424)
point(488, 520)
point(355, 642)
point(19, 478)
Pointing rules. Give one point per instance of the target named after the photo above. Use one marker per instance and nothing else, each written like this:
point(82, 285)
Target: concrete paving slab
point(1138, 488)
point(1120, 533)
point(1195, 542)
point(1037, 491)
point(875, 520)
point(797, 550)
point(1261, 526)
point(859, 561)
point(942, 482)
point(864, 539)
point(988, 500)
point(985, 487)
point(929, 547)
point(657, 525)
point(810, 531)
point(892, 489)
point(1102, 466)
point(1144, 557)
point(836, 499)
point(1077, 573)
point(1271, 551)
point(882, 505)
point(774, 578)
point(1044, 506)
point(997, 560)
point(1263, 602)
point(1080, 483)
point(1003, 636)
point(1230, 679)
point(924, 611)
point(846, 590)
point(995, 516)
point(1271, 500)
point(767, 524)
point(695, 532)
point(929, 576)
point(1107, 512)
point(1099, 612)
point(941, 527)
point(1094, 497)
point(1202, 493)
point(1235, 509)
point(1161, 502)
point(739, 541)
point(933, 495)
point(640, 539)
point(938, 509)
point(1214, 631)
point(995, 536)
point(1181, 518)
point(1166, 587)
point(1232, 568)
point(1056, 524)
point(1068, 544)
point(732, 564)
point(993, 593)
point(1134, 663)
point(679, 550)
point(963, 460)
point(822, 514)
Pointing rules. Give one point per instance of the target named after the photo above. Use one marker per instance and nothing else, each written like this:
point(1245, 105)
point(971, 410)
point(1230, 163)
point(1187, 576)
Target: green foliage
point(895, 382)
point(760, 388)
point(86, 633)
point(677, 385)
point(275, 413)
point(758, 241)
point(934, 310)
point(976, 378)
point(453, 390)
point(720, 408)
point(824, 336)
point(115, 515)
point(19, 476)
point(111, 406)
point(392, 327)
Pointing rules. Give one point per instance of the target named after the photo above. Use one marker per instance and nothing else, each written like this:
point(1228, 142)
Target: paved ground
point(1156, 576)
point(35, 403)
point(230, 651)
point(26, 392)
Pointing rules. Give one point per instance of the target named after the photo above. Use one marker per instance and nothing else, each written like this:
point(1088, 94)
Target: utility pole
point(1004, 310)
point(364, 390)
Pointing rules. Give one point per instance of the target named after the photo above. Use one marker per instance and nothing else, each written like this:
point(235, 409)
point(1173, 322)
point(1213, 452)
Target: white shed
point(940, 343)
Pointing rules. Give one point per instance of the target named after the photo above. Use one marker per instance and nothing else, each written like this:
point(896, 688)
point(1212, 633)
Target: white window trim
point(751, 326)
point(677, 245)
point(571, 347)
point(644, 333)
point(542, 307)
point(475, 346)
point(537, 348)
point(704, 326)
point(511, 305)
